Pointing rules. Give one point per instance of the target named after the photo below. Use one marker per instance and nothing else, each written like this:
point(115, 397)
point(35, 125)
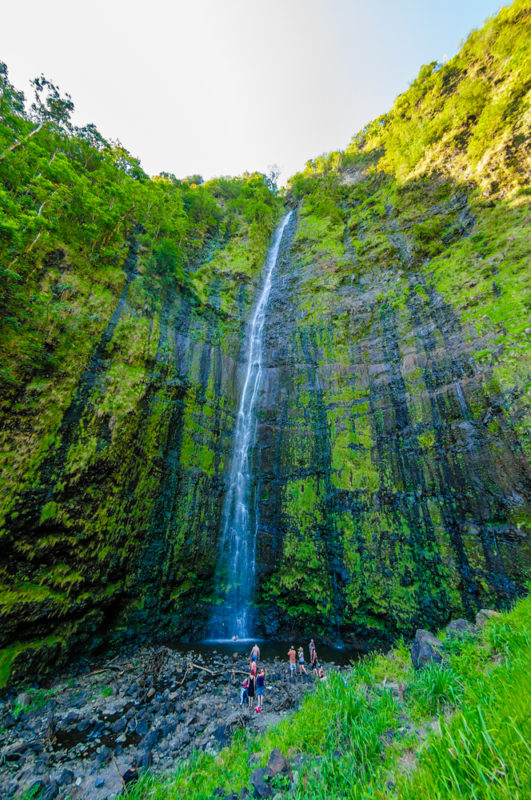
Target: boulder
point(484, 615)
point(259, 781)
point(278, 764)
point(460, 627)
point(425, 649)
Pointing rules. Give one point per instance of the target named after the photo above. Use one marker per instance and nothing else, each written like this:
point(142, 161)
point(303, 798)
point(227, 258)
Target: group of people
point(298, 657)
point(254, 684)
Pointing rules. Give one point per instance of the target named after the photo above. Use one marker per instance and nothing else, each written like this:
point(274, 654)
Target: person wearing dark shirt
point(260, 683)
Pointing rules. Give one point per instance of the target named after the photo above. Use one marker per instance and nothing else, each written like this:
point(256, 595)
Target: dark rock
point(425, 649)
point(278, 764)
point(98, 783)
point(118, 725)
point(103, 756)
point(50, 792)
point(259, 782)
point(142, 728)
point(150, 740)
point(65, 777)
point(460, 627)
point(144, 758)
point(83, 725)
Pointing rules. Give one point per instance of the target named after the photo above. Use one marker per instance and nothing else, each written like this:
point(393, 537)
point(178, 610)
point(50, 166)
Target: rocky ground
point(78, 738)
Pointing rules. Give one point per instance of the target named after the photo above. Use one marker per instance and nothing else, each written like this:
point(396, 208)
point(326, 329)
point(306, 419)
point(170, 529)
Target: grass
point(355, 732)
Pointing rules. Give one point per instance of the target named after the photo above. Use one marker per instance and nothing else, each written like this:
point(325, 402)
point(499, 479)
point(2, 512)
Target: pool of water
point(269, 650)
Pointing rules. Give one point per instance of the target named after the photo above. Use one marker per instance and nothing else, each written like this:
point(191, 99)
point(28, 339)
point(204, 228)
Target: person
point(311, 648)
point(260, 681)
point(320, 672)
point(253, 668)
point(250, 690)
point(255, 653)
point(314, 661)
point(302, 668)
point(292, 655)
point(244, 694)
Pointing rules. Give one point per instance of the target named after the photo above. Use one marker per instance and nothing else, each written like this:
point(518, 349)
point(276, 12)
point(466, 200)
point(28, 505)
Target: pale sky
point(218, 87)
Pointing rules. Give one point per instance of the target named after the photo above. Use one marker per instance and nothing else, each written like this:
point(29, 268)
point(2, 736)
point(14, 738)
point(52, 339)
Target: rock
point(259, 782)
point(98, 783)
point(460, 627)
point(142, 728)
point(23, 699)
point(425, 649)
point(278, 764)
point(118, 725)
point(253, 759)
point(50, 792)
point(484, 615)
point(65, 777)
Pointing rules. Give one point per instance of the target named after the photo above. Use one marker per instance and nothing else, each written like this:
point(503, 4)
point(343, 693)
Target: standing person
point(260, 683)
point(250, 690)
point(255, 654)
point(314, 661)
point(302, 668)
point(311, 648)
point(253, 669)
point(292, 655)
point(244, 694)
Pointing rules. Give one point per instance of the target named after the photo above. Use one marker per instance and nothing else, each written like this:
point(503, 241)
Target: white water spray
point(237, 563)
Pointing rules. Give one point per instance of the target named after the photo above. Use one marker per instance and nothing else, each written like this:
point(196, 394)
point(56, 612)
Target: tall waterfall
point(237, 561)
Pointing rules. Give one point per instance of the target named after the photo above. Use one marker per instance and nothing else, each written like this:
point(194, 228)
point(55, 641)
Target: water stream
point(237, 560)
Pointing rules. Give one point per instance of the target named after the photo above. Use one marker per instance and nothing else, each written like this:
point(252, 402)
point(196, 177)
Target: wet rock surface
point(80, 737)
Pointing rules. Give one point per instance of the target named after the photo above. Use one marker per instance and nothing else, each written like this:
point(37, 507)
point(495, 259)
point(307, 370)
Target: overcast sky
point(218, 87)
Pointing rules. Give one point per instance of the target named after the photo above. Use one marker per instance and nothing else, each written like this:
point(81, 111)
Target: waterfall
point(237, 561)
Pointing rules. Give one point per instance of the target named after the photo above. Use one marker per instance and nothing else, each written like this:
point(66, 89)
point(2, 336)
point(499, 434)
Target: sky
point(220, 87)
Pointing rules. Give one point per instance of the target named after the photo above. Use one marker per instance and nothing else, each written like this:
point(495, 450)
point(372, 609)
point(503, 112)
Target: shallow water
point(269, 650)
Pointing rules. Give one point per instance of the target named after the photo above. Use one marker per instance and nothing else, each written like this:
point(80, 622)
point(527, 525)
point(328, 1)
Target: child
point(260, 681)
point(244, 694)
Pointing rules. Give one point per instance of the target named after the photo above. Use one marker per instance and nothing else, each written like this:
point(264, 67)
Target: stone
point(50, 792)
point(23, 700)
point(259, 782)
point(484, 615)
point(460, 627)
point(278, 764)
point(65, 777)
point(98, 783)
point(425, 649)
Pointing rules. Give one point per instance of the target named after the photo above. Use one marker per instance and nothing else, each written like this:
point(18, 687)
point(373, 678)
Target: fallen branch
point(198, 666)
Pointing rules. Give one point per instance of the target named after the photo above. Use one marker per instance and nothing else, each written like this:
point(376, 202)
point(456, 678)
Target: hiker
point(314, 661)
point(292, 655)
point(253, 669)
point(302, 668)
point(260, 681)
point(311, 649)
point(255, 654)
point(320, 672)
point(244, 694)
point(250, 690)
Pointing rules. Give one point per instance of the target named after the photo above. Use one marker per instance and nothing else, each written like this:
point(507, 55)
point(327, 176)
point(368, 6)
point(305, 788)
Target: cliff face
point(392, 483)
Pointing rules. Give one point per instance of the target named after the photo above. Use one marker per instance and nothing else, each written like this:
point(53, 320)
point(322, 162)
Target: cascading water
point(237, 562)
